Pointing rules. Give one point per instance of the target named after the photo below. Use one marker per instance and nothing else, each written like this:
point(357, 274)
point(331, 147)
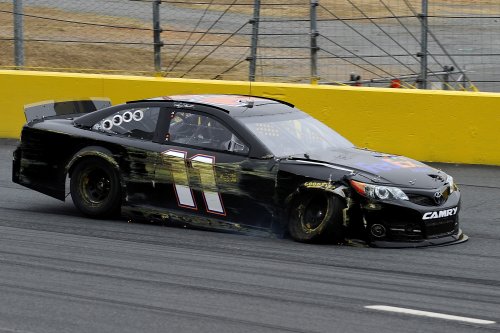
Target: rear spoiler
point(52, 108)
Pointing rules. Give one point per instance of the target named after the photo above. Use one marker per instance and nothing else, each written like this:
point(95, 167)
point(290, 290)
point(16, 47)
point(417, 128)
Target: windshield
point(298, 133)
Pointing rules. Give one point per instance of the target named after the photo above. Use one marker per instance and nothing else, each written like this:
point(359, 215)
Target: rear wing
point(52, 108)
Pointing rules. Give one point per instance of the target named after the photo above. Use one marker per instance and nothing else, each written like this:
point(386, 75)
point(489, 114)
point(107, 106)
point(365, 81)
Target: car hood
point(375, 167)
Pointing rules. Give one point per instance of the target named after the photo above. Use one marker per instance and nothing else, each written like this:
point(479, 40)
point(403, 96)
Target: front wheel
point(95, 188)
point(316, 217)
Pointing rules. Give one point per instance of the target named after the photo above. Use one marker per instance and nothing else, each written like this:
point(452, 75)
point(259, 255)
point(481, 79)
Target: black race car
point(236, 163)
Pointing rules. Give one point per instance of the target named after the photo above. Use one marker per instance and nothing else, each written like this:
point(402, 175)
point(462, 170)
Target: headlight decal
point(379, 192)
point(451, 182)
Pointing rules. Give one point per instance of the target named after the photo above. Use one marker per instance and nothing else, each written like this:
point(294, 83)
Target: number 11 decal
point(183, 192)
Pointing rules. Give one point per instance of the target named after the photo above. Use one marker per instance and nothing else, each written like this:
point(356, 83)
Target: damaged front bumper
point(457, 238)
point(400, 224)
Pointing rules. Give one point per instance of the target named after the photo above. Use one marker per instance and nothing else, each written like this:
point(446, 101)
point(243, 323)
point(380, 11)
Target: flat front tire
point(316, 217)
point(95, 188)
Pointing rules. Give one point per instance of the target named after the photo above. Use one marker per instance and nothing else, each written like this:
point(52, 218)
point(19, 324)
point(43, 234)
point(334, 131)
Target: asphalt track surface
point(60, 272)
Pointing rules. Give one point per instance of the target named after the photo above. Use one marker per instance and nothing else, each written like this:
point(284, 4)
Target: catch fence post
point(314, 43)
point(255, 40)
point(18, 34)
point(422, 80)
point(157, 37)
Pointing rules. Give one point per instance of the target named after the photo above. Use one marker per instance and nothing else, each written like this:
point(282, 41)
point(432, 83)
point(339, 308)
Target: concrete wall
point(438, 126)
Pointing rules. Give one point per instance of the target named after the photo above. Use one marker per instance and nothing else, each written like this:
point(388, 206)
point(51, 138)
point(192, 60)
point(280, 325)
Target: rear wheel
point(316, 216)
point(95, 188)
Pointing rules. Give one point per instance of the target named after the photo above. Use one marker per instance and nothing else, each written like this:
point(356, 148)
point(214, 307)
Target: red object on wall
point(396, 83)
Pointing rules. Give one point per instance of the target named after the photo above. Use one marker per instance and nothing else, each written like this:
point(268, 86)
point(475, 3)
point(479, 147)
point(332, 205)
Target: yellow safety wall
point(439, 126)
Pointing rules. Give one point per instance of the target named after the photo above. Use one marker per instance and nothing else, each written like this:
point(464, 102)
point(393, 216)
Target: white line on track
point(429, 314)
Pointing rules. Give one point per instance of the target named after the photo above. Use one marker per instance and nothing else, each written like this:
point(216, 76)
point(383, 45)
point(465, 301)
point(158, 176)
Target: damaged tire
point(316, 217)
point(95, 188)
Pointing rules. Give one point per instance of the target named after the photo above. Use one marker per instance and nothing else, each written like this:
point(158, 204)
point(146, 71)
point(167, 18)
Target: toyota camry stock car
point(234, 163)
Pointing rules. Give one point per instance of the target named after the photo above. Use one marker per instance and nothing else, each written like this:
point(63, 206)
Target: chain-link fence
point(439, 44)
point(73, 35)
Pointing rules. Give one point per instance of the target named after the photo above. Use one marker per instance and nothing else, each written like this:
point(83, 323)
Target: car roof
point(235, 105)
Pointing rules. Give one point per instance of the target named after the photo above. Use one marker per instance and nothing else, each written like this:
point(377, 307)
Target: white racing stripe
point(429, 314)
point(324, 164)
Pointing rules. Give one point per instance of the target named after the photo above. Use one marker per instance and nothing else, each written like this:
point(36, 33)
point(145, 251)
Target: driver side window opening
point(203, 131)
point(138, 123)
